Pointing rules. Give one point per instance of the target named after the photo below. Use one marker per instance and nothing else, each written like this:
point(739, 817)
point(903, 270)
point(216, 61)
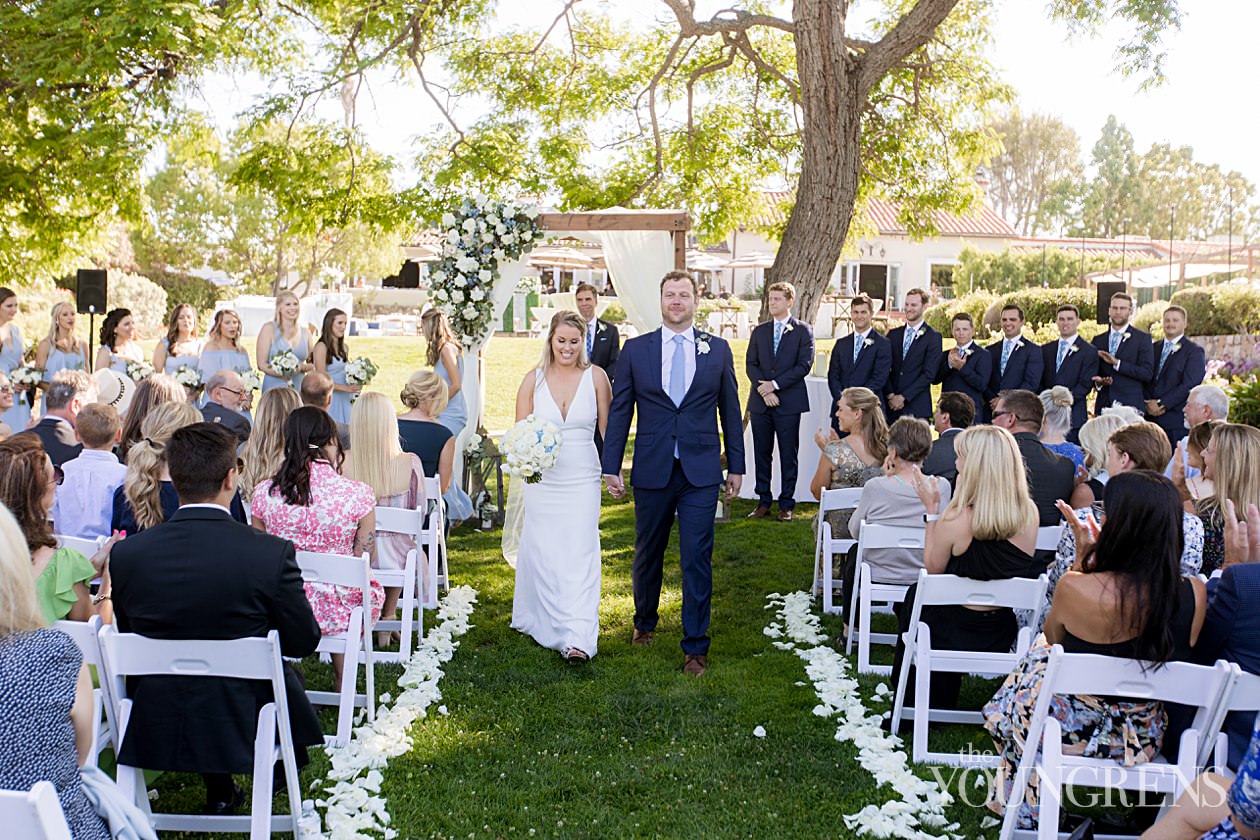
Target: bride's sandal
point(574, 656)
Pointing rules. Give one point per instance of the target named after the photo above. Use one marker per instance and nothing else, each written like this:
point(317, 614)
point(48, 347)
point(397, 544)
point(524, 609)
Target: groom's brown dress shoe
point(695, 664)
point(785, 516)
point(641, 637)
point(760, 513)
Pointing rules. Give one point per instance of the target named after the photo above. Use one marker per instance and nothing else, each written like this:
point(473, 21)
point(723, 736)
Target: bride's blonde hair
point(564, 318)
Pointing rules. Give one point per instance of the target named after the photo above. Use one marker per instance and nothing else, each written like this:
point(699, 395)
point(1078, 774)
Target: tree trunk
point(831, 108)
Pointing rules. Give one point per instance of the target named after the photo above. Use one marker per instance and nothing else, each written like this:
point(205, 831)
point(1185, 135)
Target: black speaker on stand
point(1106, 289)
point(91, 294)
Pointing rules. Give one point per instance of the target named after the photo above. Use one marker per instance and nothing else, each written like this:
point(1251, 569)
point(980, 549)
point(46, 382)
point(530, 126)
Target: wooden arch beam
point(675, 223)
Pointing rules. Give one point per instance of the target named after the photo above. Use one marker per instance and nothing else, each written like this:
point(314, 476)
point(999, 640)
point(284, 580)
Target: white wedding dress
point(556, 600)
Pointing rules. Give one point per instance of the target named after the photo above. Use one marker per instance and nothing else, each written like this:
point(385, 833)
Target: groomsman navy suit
point(1180, 365)
point(780, 356)
point(916, 359)
point(1126, 362)
point(603, 342)
point(1017, 362)
point(861, 359)
point(680, 380)
point(967, 368)
point(1071, 362)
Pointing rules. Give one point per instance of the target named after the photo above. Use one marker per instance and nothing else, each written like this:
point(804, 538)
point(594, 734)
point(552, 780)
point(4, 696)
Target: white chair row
point(867, 594)
point(826, 546)
point(33, 815)
point(86, 634)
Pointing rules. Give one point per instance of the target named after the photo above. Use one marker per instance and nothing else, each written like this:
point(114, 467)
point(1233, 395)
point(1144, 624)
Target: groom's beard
point(678, 321)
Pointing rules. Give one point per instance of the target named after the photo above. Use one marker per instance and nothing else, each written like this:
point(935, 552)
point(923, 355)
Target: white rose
point(531, 212)
point(449, 250)
point(447, 310)
point(484, 275)
point(438, 276)
point(500, 229)
point(470, 225)
point(469, 311)
point(466, 239)
point(488, 236)
point(457, 296)
point(466, 264)
point(500, 255)
point(448, 220)
point(477, 294)
point(452, 237)
point(509, 239)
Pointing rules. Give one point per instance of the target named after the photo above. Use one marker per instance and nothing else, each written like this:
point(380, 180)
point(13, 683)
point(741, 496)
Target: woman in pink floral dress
point(310, 503)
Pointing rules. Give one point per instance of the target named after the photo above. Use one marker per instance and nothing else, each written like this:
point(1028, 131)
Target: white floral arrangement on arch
point(477, 239)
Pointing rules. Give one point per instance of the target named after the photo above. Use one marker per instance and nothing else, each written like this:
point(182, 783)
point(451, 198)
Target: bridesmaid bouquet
point(359, 371)
point(529, 447)
point(284, 363)
point(139, 370)
point(27, 375)
point(189, 377)
point(252, 380)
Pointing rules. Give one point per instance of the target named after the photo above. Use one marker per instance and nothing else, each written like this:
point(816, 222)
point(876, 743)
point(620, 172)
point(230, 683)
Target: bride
point(556, 600)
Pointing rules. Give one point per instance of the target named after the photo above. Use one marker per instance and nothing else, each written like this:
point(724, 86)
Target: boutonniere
point(1019, 344)
point(1174, 349)
point(964, 351)
point(868, 343)
point(1124, 337)
point(702, 343)
point(1072, 348)
point(787, 327)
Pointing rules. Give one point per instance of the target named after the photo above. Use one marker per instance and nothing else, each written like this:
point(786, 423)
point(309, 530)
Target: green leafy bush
point(201, 293)
point(940, 317)
point(1227, 309)
point(1150, 317)
point(1039, 305)
point(1244, 400)
point(614, 314)
point(145, 299)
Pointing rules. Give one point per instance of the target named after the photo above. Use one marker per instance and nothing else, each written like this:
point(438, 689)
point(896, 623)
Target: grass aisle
point(628, 745)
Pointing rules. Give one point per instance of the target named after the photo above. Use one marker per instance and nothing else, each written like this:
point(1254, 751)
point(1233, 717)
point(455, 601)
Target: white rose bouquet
point(284, 363)
point(187, 376)
point(252, 380)
point(529, 447)
point(139, 370)
point(29, 376)
point(359, 371)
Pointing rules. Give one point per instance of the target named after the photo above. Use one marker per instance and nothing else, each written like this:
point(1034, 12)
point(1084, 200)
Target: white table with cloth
point(807, 453)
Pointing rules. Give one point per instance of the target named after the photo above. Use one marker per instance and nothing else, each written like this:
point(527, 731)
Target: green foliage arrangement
point(1039, 305)
point(145, 299)
point(1244, 400)
point(1008, 271)
point(1149, 317)
point(1227, 309)
point(614, 314)
point(976, 304)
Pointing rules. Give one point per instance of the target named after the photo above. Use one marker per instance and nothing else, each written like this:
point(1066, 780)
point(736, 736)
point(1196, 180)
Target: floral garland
point(353, 804)
point(477, 239)
point(920, 804)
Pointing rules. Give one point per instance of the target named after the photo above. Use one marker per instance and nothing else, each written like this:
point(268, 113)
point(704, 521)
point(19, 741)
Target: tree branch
point(726, 20)
point(910, 33)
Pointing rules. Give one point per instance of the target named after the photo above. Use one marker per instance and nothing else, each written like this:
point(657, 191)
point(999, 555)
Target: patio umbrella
point(753, 259)
point(560, 258)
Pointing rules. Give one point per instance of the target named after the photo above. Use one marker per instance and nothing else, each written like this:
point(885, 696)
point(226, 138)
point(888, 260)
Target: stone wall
point(1227, 347)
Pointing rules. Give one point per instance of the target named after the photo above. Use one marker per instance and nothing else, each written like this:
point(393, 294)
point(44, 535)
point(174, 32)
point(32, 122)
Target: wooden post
point(680, 250)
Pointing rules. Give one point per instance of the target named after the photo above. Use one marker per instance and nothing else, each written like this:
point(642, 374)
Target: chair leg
point(264, 753)
point(1051, 787)
point(854, 605)
point(899, 699)
point(922, 690)
point(864, 636)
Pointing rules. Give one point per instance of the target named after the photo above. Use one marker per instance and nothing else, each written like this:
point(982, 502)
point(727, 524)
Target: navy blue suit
point(971, 379)
point(871, 369)
point(912, 377)
point(787, 368)
point(1023, 371)
point(1137, 367)
point(663, 484)
point(1185, 369)
point(1231, 631)
point(1077, 373)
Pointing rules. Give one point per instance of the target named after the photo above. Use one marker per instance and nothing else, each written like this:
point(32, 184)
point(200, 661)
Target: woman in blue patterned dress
point(223, 351)
point(181, 346)
point(284, 332)
point(330, 356)
point(61, 349)
point(12, 352)
point(1213, 808)
point(118, 342)
point(443, 355)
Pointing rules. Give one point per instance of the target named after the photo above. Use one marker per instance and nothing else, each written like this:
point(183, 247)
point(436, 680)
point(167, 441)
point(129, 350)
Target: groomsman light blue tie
point(678, 375)
point(1169, 346)
point(857, 346)
point(1063, 351)
point(590, 341)
point(778, 335)
point(1008, 345)
point(907, 341)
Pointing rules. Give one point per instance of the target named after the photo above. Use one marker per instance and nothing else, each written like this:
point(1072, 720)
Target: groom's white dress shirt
point(667, 356)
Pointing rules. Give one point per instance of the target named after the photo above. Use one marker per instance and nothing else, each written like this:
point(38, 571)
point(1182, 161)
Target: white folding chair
point(1048, 537)
point(435, 542)
point(941, 590)
point(393, 520)
point(1241, 695)
point(867, 592)
point(1200, 686)
point(33, 814)
point(355, 645)
point(826, 547)
point(84, 545)
point(127, 655)
point(86, 636)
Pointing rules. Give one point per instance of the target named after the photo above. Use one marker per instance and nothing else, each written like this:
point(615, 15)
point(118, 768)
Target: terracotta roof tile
point(882, 216)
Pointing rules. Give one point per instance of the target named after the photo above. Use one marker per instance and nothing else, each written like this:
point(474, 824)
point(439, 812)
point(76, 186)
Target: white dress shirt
point(667, 356)
point(85, 499)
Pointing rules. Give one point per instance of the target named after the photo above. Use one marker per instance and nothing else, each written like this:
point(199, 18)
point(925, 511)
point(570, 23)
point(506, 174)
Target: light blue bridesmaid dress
point(455, 417)
point(340, 408)
point(11, 354)
point(59, 360)
point(278, 345)
point(211, 362)
point(174, 363)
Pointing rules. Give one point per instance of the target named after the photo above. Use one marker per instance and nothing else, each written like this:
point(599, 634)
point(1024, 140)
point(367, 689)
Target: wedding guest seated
point(422, 435)
point(1206, 404)
point(1125, 598)
point(855, 459)
point(1214, 808)
point(264, 450)
point(1051, 477)
point(203, 575)
point(1190, 453)
point(28, 482)
point(7, 400)
point(69, 391)
point(1057, 402)
point(152, 391)
point(310, 503)
point(46, 704)
point(988, 531)
point(891, 500)
point(317, 391)
point(85, 499)
point(1093, 437)
point(954, 412)
point(147, 496)
point(225, 392)
point(1231, 461)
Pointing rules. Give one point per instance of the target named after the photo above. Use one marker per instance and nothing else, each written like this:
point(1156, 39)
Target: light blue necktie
point(857, 346)
point(1114, 342)
point(778, 335)
point(1163, 357)
point(1063, 351)
point(590, 341)
point(907, 341)
point(678, 373)
point(1007, 347)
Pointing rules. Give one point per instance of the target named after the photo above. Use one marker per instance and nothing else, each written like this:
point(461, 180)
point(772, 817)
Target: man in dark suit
point(1071, 362)
point(1180, 365)
point(862, 359)
point(916, 358)
point(1051, 477)
point(1017, 362)
point(224, 394)
point(317, 391)
point(202, 575)
point(954, 412)
point(780, 355)
point(967, 368)
point(603, 343)
point(68, 392)
point(1126, 361)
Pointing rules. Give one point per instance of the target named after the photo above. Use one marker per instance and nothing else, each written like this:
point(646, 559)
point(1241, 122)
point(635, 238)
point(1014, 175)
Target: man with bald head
point(224, 394)
point(317, 391)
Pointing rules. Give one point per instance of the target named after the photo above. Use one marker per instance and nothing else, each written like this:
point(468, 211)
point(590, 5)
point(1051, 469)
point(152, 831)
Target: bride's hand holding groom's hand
point(616, 487)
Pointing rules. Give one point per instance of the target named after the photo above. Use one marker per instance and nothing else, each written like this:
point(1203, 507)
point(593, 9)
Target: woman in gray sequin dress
point(856, 458)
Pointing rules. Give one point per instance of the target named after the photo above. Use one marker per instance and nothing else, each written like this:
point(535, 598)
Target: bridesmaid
point(223, 351)
point(118, 342)
point(181, 346)
point(284, 332)
point(61, 349)
point(330, 357)
point(444, 356)
point(12, 352)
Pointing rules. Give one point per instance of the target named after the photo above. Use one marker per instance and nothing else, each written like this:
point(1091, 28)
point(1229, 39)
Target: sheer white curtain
point(637, 260)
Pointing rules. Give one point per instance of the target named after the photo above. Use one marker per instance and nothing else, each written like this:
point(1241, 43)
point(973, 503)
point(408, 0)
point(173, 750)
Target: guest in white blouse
point(85, 499)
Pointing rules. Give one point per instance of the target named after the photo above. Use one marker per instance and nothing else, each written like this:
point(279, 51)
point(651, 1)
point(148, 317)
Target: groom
point(676, 377)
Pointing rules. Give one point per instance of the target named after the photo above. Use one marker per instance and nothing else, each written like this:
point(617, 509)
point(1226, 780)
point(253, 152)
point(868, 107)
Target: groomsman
point(1017, 362)
point(1126, 362)
point(1071, 362)
point(861, 359)
point(916, 359)
point(603, 343)
point(1180, 365)
point(780, 355)
point(967, 368)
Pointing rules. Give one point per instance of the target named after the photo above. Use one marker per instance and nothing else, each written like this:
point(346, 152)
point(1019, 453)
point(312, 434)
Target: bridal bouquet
point(139, 370)
point(529, 447)
point(285, 363)
point(27, 375)
point(252, 380)
point(187, 376)
point(359, 372)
